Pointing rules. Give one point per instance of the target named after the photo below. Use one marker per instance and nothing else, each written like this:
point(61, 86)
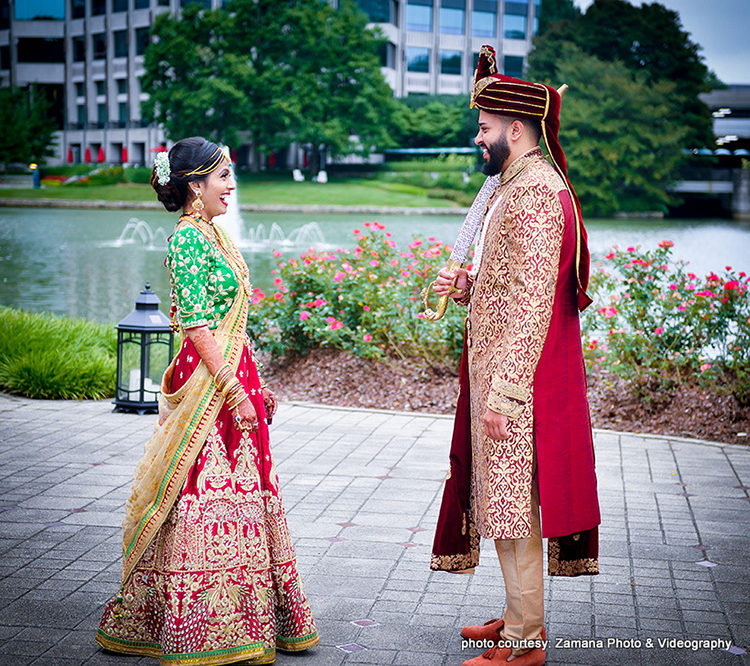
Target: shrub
point(657, 325)
point(653, 322)
point(67, 170)
point(365, 301)
point(140, 175)
point(109, 176)
point(43, 356)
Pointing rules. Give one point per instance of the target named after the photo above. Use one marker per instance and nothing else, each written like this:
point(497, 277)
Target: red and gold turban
point(515, 98)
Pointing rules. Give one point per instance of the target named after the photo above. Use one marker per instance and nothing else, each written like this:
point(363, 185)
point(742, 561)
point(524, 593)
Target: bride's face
point(215, 190)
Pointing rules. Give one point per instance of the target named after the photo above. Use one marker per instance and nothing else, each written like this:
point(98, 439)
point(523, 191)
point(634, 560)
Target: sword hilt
point(442, 302)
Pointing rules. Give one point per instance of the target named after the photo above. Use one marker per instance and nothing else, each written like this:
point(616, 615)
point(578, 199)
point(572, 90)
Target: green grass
point(261, 189)
point(48, 357)
point(350, 192)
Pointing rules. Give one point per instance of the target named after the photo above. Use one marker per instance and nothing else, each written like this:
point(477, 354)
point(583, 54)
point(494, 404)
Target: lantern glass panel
point(129, 380)
point(157, 358)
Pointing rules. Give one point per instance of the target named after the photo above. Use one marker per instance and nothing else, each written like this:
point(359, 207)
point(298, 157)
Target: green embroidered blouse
point(203, 284)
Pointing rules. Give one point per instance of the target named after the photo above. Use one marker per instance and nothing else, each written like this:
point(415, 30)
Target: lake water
point(74, 262)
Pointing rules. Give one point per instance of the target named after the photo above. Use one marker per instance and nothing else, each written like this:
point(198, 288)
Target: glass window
point(4, 57)
point(100, 87)
point(142, 40)
point(79, 8)
point(483, 24)
point(121, 43)
point(520, 7)
point(80, 89)
point(124, 112)
point(514, 26)
point(122, 86)
point(101, 113)
point(79, 49)
point(82, 114)
point(513, 66)
point(450, 62)
point(40, 49)
point(378, 11)
point(4, 14)
point(387, 53)
point(99, 45)
point(163, 3)
point(142, 4)
point(419, 17)
point(98, 7)
point(451, 21)
point(119, 5)
point(417, 59)
point(40, 10)
point(206, 3)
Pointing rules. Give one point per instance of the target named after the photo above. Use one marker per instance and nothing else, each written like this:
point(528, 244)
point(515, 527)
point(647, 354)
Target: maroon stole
point(456, 545)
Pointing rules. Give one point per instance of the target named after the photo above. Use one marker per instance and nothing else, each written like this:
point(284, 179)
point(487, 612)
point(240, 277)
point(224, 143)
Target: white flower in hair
point(163, 170)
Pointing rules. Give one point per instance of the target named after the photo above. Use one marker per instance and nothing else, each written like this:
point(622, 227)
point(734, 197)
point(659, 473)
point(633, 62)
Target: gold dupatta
point(185, 419)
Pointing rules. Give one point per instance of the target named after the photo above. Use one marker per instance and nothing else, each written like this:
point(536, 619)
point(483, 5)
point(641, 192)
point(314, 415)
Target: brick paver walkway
point(362, 491)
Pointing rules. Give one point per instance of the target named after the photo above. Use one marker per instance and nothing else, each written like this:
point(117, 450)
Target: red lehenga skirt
point(219, 582)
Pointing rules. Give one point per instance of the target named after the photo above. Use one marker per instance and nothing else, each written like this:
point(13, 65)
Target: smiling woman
point(205, 534)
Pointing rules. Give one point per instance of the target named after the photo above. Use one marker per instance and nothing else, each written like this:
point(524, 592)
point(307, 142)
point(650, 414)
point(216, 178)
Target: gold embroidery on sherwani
point(461, 562)
point(509, 315)
point(558, 567)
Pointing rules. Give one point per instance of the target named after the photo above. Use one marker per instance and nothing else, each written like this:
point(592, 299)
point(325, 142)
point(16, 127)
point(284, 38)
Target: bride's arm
point(205, 344)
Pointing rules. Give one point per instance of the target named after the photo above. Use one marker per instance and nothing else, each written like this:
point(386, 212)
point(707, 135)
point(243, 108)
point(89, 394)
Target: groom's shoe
point(492, 657)
point(489, 631)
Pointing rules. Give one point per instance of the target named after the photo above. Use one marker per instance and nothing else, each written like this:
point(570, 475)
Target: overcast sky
point(721, 27)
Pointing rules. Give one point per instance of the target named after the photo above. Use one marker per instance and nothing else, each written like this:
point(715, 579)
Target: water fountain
point(138, 229)
point(259, 239)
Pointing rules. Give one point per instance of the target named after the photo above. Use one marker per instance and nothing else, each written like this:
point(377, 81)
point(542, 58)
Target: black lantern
point(144, 350)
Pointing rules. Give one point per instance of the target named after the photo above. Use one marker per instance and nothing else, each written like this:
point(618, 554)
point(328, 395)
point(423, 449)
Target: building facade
point(86, 56)
point(433, 45)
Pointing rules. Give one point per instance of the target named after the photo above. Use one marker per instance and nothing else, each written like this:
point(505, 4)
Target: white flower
point(163, 170)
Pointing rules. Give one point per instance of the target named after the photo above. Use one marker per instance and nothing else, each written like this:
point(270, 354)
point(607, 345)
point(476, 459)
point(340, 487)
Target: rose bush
point(657, 324)
point(653, 322)
point(364, 300)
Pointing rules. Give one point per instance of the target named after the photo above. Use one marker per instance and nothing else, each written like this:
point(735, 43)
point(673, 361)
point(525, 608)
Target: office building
point(86, 56)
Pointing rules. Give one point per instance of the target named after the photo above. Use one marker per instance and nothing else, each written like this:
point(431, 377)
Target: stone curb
point(250, 208)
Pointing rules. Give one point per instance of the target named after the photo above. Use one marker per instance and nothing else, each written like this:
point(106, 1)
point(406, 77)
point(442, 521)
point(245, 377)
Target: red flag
point(124, 154)
point(87, 156)
point(100, 157)
point(70, 154)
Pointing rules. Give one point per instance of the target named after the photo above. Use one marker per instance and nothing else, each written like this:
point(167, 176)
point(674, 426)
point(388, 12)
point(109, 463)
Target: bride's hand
point(245, 416)
point(269, 399)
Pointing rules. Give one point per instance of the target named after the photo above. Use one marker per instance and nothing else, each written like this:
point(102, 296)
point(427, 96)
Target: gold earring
point(198, 204)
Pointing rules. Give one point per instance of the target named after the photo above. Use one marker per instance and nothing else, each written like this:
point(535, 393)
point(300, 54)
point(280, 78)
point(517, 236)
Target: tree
point(270, 72)
point(343, 103)
point(621, 155)
point(189, 78)
point(648, 40)
point(28, 129)
point(556, 11)
point(434, 121)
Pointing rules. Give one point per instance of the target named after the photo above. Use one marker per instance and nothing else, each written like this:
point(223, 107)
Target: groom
point(522, 437)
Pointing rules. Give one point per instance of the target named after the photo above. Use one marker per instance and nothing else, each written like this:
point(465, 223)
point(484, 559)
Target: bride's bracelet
point(229, 386)
point(222, 377)
point(235, 394)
